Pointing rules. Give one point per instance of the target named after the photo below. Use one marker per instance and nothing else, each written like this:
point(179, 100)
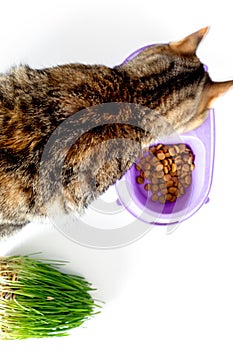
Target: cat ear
point(217, 89)
point(189, 44)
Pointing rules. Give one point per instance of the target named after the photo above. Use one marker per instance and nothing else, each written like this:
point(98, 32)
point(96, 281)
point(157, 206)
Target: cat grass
point(37, 300)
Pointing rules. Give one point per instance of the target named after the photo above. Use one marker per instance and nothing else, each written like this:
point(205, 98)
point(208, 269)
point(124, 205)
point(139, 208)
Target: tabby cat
point(69, 132)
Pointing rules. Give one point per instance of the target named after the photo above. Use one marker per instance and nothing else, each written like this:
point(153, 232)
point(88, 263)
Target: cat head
point(187, 89)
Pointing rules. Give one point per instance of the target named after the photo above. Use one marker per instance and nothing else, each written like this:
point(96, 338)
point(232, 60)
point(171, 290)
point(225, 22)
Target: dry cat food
point(166, 171)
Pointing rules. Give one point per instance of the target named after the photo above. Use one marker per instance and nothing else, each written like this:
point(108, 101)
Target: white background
point(164, 291)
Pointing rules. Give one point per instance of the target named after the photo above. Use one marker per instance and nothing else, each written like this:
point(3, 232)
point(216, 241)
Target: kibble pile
point(166, 171)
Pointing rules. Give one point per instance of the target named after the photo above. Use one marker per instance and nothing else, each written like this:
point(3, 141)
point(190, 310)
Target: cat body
point(69, 132)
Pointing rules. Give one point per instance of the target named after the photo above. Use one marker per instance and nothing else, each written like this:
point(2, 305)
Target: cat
point(69, 132)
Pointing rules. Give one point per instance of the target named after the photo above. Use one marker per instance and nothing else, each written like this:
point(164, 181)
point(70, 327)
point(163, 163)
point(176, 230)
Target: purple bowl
point(136, 200)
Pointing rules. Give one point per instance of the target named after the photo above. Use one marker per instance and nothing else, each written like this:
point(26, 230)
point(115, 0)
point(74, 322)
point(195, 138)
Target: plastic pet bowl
point(137, 200)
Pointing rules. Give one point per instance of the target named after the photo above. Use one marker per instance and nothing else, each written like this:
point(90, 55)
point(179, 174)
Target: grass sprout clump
point(37, 300)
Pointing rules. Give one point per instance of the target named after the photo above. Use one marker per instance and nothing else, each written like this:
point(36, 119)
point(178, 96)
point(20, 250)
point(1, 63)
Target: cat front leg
point(7, 230)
